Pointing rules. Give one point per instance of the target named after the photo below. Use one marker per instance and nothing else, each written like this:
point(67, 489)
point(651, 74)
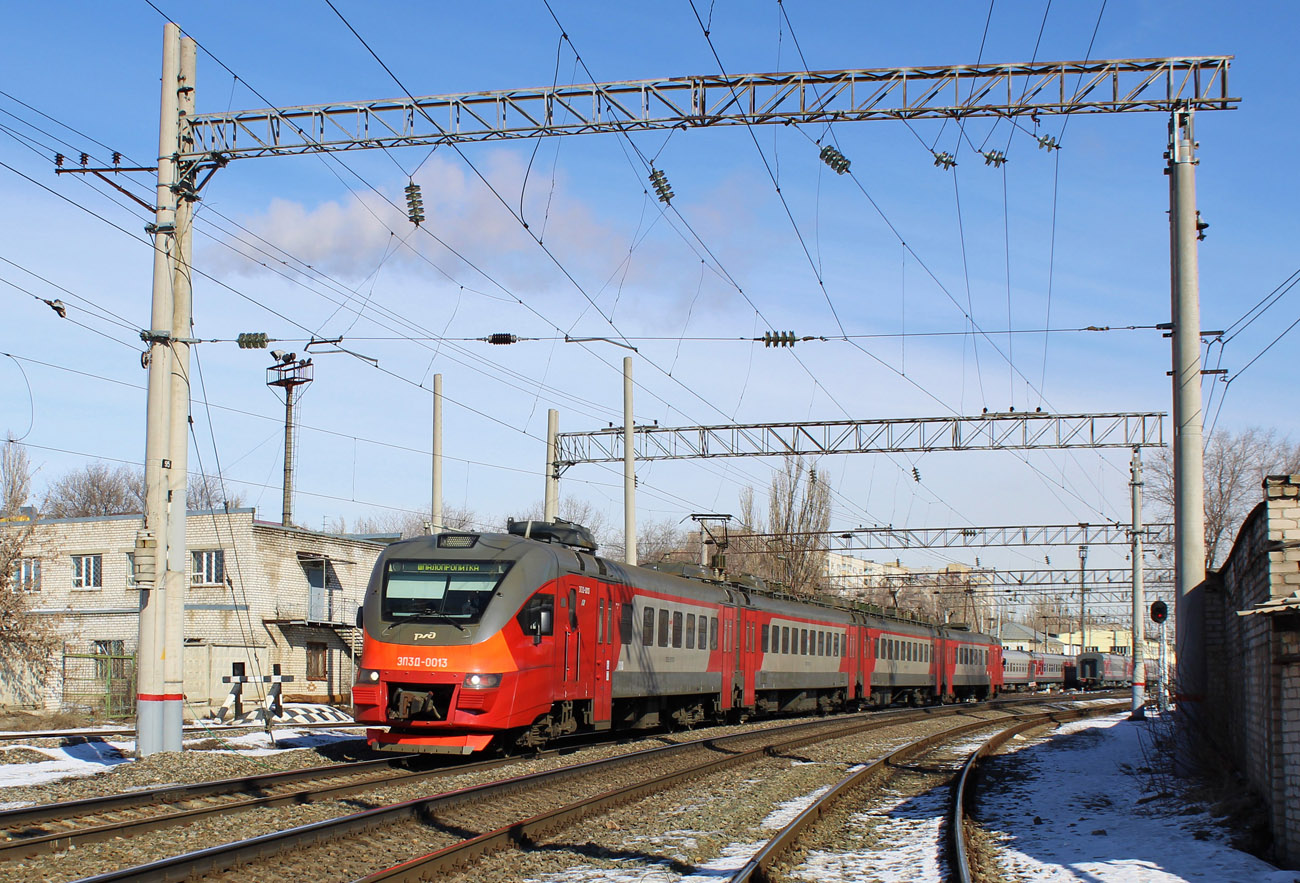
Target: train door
point(605, 652)
point(727, 659)
point(750, 654)
point(568, 630)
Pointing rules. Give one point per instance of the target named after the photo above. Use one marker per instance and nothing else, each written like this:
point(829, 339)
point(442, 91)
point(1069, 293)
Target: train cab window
point(713, 633)
point(664, 634)
point(763, 637)
point(690, 631)
point(573, 608)
point(456, 591)
point(625, 623)
point(530, 617)
point(648, 627)
point(677, 629)
point(703, 640)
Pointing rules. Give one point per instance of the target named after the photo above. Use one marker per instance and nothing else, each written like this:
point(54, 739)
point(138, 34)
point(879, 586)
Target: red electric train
point(511, 640)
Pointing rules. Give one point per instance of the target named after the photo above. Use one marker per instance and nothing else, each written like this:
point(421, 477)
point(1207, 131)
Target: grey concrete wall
point(1253, 660)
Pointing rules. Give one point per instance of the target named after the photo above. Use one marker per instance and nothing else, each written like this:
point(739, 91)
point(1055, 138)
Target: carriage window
point(625, 622)
point(703, 640)
point(677, 629)
point(600, 622)
point(803, 642)
point(663, 628)
point(821, 643)
point(763, 638)
point(648, 628)
point(713, 633)
point(785, 639)
point(690, 631)
point(573, 608)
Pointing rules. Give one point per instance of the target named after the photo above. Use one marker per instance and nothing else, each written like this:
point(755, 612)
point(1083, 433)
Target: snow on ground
point(1080, 786)
point(85, 759)
point(96, 755)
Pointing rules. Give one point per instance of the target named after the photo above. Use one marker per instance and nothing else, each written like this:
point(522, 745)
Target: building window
point(26, 576)
point(208, 567)
point(130, 570)
point(87, 571)
point(317, 654)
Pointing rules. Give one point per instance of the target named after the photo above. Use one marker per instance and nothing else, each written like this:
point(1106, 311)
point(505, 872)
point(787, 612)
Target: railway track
point(436, 832)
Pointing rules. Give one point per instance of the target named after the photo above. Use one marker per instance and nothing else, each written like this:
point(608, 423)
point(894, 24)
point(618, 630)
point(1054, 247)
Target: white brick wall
point(258, 614)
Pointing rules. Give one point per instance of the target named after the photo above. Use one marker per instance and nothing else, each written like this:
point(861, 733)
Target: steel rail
point(219, 858)
point(956, 825)
point(758, 868)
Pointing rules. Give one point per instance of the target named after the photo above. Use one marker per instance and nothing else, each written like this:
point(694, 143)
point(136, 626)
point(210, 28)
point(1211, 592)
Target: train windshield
point(440, 591)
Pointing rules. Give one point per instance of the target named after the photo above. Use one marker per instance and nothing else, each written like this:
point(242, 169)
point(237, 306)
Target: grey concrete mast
point(1189, 465)
point(435, 502)
point(160, 546)
point(1139, 599)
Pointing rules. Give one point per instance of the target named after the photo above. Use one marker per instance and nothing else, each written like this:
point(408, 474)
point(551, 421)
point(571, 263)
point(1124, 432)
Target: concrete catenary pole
point(551, 504)
point(629, 467)
point(1083, 600)
point(1139, 600)
point(435, 501)
point(151, 542)
point(179, 419)
point(1189, 476)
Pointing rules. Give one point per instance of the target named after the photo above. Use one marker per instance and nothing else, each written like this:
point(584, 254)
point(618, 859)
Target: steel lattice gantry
point(986, 432)
point(912, 93)
point(1096, 579)
point(978, 537)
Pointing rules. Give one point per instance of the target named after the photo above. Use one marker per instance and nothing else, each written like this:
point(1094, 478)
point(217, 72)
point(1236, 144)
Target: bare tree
point(15, 477)
point(788, 546)
point(29, 641)
point(1235, 466)
point(658, 541)
point(406, 524)
point(205, 492)
point(95, 489)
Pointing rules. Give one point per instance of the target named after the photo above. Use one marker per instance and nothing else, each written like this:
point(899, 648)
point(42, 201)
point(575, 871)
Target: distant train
point(1037, 671)
point(511, 640)
point(1098, 670)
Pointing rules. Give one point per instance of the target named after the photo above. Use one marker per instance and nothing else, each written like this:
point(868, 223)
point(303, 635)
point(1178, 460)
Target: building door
point(317, 597)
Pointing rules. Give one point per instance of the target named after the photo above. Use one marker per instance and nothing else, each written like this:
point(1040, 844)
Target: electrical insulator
point(779, 338)
point(117, 158)
point(252, 340)
point(414, 203)
point(994, 158)
point(660, 183)
point(58, 160)
point(85, 158)
point(916, 474)
point(945, 160)
point(1048, 143)
point(502, 338)
point(834, 159)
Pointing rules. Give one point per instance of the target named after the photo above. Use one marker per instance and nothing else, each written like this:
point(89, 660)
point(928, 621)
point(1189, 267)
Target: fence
point(100, 683)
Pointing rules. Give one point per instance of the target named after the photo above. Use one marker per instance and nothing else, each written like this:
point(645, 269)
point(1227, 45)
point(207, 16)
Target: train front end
point(450, 660)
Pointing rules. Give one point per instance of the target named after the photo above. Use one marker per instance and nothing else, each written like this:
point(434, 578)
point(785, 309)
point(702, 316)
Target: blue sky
point(366, 432)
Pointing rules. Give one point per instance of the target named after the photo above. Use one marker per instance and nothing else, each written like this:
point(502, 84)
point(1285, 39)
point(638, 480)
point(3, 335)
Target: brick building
point(1252, 634)
point(257, 593)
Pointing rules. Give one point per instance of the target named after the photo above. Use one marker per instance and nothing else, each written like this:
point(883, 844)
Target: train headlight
point(367, 676)
point(481, 681)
